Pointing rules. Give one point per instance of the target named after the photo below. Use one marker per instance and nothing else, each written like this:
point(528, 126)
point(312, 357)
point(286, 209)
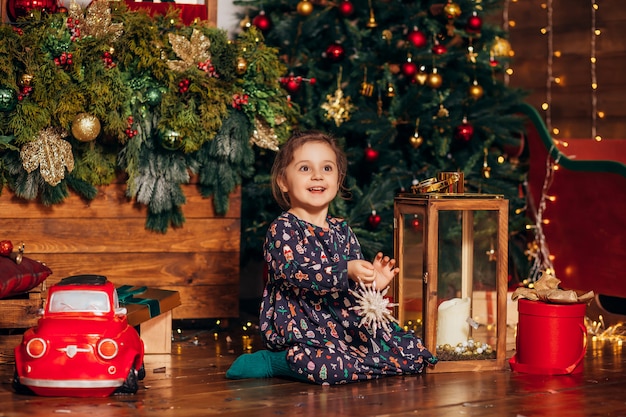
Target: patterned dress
point(306, 308)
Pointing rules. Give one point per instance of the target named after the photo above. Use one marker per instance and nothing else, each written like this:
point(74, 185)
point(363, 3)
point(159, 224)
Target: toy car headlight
point(107, 348)
point(36, 347)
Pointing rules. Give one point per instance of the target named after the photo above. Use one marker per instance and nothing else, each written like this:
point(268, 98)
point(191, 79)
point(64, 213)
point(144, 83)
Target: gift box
point(151, 310)
point(145, 303)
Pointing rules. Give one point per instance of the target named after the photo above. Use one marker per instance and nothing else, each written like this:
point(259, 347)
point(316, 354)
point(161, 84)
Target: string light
point(548, 30)
point(542, 262)
point(505, 25)
point(594, 80)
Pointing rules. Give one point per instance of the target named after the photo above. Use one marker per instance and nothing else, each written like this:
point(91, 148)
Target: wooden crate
point(107, 236)
point(17, 314)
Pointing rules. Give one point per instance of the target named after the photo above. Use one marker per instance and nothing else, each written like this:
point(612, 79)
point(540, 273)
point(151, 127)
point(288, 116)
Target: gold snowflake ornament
point(50, 153)
point(190, 51)
point(338, 107)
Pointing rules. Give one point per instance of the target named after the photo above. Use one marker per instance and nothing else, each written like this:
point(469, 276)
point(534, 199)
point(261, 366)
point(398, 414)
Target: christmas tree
point(410, 88)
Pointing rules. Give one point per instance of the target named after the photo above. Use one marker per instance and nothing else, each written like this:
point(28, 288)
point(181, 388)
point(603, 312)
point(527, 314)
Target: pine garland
point(169, 101)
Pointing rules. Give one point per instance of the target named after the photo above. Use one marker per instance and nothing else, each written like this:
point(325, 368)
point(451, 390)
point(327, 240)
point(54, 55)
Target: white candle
point(452, 326)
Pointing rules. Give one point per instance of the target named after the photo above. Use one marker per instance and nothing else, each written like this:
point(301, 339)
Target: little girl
point(307, 319)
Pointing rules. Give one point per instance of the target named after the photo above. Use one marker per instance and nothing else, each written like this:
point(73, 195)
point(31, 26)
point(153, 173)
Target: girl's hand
point(361, 270)
point(386, 269)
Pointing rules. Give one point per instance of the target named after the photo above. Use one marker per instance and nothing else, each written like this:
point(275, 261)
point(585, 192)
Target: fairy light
point(594, 79)
point(542, 262)
point(506, 24)
point(549, 76)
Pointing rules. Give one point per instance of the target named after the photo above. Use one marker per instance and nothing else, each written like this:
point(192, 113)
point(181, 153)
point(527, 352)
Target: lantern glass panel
point(466, 284)
point(412, 270)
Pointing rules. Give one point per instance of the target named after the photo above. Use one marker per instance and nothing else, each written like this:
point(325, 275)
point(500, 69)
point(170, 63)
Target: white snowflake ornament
point(373, 307)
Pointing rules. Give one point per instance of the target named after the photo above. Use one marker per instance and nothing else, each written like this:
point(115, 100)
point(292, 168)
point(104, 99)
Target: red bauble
point(439, 49)
point(293, 84)
point(346, 8)
point(409, 69)
point(6, 247)
point(415, 224)
point(22, 8)
point(474, 24)
point(464, 131)
point(374, 219)
point(335, 52)
point(371, 154)
point(262, 21)
point(417, 38)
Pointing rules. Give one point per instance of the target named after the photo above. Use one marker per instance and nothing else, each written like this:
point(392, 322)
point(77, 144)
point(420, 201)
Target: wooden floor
point(190, 382)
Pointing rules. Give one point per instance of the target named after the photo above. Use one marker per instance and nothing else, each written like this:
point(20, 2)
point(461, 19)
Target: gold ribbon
point(431, 185)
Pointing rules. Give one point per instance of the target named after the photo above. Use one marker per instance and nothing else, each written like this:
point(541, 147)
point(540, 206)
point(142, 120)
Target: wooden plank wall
point(571, 100)
point(107, 236)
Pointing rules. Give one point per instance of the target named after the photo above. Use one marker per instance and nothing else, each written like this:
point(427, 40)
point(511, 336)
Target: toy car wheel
point(141, 374)
point(19, 387)
point(130, 386)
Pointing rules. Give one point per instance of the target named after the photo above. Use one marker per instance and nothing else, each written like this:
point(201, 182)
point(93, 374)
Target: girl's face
point(311, 179)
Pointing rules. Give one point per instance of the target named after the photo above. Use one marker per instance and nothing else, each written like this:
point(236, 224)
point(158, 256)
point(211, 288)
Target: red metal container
point(551, 338)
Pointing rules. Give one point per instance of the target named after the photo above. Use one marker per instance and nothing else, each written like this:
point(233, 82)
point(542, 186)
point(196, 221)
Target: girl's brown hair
point(285, 156)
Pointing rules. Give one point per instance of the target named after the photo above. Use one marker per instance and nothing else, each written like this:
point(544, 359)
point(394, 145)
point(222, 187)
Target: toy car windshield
point(83, 301)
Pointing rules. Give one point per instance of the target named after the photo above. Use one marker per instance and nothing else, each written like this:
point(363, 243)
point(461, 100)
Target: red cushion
point(16, 279)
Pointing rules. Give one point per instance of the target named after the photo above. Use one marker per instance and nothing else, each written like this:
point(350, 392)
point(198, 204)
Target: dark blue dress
point(306, 308)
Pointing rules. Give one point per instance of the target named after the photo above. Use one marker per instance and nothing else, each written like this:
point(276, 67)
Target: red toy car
point(82, 346)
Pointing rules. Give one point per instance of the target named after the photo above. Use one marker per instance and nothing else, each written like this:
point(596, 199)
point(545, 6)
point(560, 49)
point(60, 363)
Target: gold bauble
point(242, 66)
point(305, 8)
point(416, 141)
point(85, 127)
point(476, 91)
point(171, 140)
point(26, 79)
point(501, 47)
point(452, 10)
point(435, 80)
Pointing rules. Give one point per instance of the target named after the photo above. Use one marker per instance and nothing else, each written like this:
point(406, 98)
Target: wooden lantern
point(452, 250)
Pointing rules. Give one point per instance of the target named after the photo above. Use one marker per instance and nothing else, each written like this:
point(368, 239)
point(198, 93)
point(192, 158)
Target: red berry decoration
point(183, 85)
point(346, 8)
point(474, 23)
point(293, 84)
point(374, 219)
point(335, 52)
point(417, 38)
point(371, 154)
point(262, 21)
point(6, 247)
point(239, 100)
point(464, 131)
